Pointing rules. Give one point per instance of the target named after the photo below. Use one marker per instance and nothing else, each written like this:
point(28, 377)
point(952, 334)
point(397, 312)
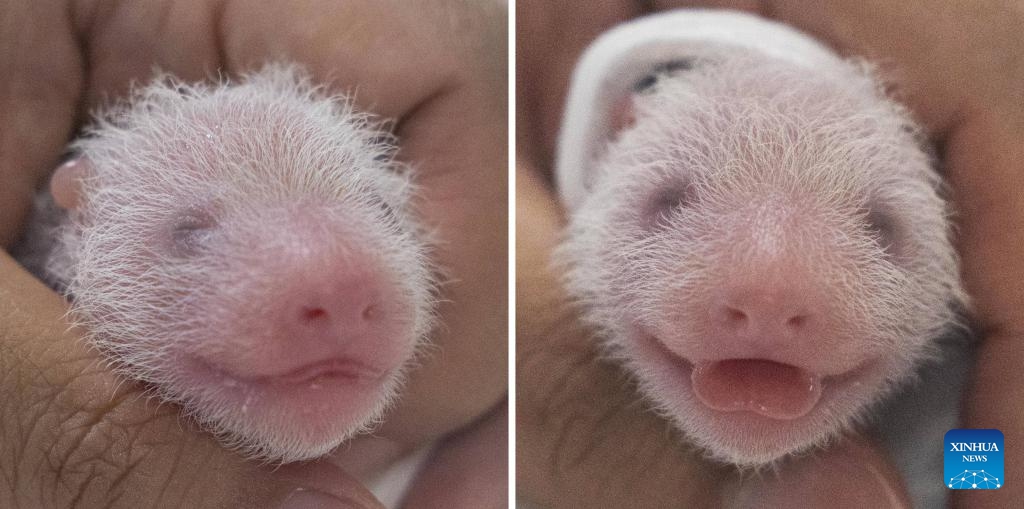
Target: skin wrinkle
point(58, 458)
point(560, 324)
point(569, 453)
point(76, 500)
point(575, 454)
point(67, 461)
point(74, 478)
point(166, 486)
point(552, 315)
point(554, 400)
point(569, 380)
point(119, 482)
point(13, 440)
point(101, 440)
point(602, 435)
point(407, 125)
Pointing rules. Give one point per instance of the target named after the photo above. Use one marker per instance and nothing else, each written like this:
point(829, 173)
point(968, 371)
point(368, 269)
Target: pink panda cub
point(755, 229)
point(246, 249)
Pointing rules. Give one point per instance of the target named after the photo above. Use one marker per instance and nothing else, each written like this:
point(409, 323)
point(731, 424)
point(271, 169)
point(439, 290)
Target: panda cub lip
point(341, 368)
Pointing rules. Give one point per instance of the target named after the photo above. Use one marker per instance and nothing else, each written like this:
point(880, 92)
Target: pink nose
point(347, 307)
point(763, 313)
point(765, 319)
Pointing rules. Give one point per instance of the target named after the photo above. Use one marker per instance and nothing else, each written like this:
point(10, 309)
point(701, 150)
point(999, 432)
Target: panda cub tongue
point(775, 390)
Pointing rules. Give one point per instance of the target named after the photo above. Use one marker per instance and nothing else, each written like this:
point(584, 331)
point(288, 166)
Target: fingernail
point(305, 498)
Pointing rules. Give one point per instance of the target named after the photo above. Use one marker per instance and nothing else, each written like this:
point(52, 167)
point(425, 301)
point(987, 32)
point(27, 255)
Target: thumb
point(852, 474)
point(71, 432)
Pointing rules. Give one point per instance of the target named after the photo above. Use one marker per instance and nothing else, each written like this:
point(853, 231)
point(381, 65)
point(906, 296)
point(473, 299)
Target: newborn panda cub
point(246, 250)
point(755, 229)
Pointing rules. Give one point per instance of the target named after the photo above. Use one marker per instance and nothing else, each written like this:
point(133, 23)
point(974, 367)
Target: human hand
point(72, 434)
point(437, 67)
point(948, 74)
point(959, 68)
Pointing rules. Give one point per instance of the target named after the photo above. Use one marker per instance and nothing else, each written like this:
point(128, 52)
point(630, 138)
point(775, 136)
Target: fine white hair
point(269, 152)
point(754, 142)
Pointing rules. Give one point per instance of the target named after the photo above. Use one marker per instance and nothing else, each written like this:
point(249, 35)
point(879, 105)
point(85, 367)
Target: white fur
point(610, 66)
point(782, 146)
point(277, 155)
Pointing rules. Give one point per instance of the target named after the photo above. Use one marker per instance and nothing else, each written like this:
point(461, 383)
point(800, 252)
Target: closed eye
point(667, 202)
point(882, 228)
point(191, 231)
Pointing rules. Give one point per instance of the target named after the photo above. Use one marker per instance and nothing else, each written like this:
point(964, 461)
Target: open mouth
point(763, 387)
point(768, 388)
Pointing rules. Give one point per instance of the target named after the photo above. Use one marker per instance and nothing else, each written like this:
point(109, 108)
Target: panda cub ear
point(66, 182)
point(623, 111)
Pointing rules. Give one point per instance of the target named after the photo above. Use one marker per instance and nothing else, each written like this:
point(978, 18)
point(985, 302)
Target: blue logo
point(973, 459)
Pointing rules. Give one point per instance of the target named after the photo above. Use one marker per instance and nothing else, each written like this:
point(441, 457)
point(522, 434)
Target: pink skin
point(761, 351)
point(327, 353)
point(316, 340)
point(247, 251)
point(766, 249)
